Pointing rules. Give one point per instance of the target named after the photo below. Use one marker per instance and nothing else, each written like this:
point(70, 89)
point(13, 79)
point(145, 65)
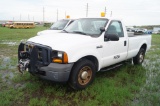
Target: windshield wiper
point(80, 32)
point(65, 31)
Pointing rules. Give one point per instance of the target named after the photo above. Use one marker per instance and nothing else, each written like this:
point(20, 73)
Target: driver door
point(114, 51)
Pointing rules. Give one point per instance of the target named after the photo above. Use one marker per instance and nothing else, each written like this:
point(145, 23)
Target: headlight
point(59, 57)
point(60, 54)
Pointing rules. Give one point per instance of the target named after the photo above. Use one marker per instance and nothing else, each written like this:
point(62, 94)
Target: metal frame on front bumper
point(45, 69)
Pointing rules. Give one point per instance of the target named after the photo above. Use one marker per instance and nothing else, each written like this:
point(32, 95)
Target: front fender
point(78, 55)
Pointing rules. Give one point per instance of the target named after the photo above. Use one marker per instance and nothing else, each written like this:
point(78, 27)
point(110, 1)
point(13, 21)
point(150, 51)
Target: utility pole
point(28, 18)
point(65, 14)
point(43, 14)
point(87, 10)
point(57, 14)
point(105, 10)
point(20, 17)
point(111, 14)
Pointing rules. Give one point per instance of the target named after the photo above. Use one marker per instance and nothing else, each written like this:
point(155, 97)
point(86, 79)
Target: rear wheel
point(83, 74)
point(139, 58)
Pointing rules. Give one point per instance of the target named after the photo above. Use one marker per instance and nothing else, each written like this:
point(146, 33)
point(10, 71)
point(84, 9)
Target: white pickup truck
point(57, 26)
point(85, 47)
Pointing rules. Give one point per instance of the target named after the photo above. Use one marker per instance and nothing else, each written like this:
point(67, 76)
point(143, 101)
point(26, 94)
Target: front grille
point(43, 53)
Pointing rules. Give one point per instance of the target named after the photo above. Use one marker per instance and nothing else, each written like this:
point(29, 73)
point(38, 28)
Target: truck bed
point(135, 42)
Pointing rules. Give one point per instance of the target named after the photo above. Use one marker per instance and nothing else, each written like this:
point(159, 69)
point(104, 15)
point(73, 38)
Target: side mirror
point(111, 37)
point(102, 29)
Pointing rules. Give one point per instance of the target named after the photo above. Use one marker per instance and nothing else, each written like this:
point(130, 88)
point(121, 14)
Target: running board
point(111, 67)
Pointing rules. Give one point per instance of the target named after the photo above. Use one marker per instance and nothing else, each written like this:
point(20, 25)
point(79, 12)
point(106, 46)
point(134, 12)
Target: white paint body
point(44, 32)
point(78, 46)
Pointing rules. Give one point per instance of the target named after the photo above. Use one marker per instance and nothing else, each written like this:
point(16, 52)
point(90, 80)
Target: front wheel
point(139, 58)
point(83, 74)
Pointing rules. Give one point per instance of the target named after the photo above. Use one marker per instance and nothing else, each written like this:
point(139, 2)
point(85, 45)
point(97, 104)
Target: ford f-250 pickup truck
point(82, 49)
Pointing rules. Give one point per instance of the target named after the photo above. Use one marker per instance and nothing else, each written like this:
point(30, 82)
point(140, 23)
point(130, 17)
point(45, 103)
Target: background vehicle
point(86, 46)
point(3, 24)
point(7, 24)
point(23, 25)
point(57, 26)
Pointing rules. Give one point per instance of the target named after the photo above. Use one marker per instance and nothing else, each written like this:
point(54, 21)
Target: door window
point(115, 28)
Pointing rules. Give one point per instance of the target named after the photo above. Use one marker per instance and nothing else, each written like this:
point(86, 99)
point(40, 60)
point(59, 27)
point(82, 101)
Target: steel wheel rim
point(141, 57)
point(85, 75)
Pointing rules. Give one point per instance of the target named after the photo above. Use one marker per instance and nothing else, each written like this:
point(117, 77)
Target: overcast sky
point(133, 12)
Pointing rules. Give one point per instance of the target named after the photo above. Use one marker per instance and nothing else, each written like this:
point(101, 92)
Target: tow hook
point(23, 65)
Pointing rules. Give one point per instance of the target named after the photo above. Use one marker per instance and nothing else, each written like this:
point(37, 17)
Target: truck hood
point(48, 32)
point(63, 41)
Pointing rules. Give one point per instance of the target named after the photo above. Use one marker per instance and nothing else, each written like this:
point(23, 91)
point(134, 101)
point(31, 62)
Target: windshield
point(87, 26)
point(59, 25)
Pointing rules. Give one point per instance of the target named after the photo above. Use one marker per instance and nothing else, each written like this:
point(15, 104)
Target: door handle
point(100, 46)
point(125, 43)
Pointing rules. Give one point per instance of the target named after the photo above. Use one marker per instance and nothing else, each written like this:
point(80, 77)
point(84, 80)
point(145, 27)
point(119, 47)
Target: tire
point(139, 58)
point(82, 75)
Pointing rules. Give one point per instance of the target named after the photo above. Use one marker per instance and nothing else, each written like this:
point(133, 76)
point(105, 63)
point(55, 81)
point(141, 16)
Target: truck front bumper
point(37, 59)
point(56, 72)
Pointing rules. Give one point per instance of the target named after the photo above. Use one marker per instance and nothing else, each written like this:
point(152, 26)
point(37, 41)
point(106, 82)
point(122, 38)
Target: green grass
point(149, 94)
point(123, 86)
point(18, 34)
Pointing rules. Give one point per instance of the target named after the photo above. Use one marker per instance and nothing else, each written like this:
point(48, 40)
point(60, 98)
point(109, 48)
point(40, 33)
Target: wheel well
point(93, 59)
point(144, 46)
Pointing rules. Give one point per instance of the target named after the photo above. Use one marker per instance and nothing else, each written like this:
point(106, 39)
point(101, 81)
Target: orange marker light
point(57, 60)
point(65, 58)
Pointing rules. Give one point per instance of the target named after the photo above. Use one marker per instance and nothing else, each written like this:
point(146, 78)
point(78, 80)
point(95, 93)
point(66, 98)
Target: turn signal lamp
point(61, 57)
point(56, 60)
